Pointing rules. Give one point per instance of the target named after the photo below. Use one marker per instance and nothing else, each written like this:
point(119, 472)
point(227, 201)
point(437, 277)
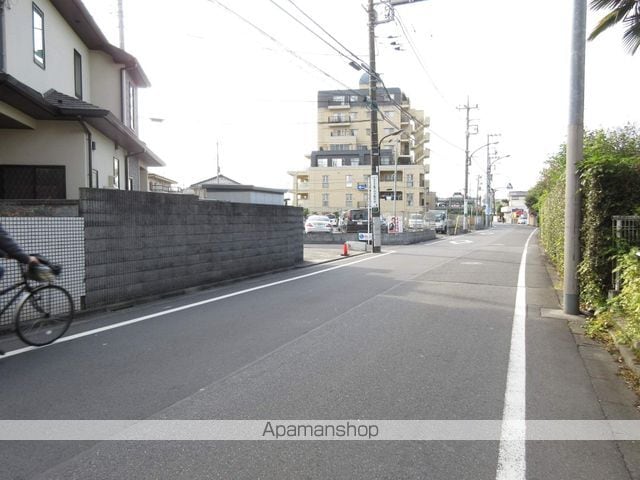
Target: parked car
point(317, 223)
point(355, 220)
point(523, 220)
point(333, 219)
point(416, 221)
point(440, 222)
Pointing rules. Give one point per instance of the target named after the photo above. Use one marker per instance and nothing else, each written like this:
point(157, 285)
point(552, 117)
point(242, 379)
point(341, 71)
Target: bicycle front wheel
point(44, 315)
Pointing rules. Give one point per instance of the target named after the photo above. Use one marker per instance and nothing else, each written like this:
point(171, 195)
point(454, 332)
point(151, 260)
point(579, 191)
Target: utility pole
point(121, 23)
point(488, 189)
point(374, 196)
point(467, 162)
point(575, 155)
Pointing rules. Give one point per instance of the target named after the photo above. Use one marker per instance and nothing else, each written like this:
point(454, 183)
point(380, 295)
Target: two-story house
point(68, 105)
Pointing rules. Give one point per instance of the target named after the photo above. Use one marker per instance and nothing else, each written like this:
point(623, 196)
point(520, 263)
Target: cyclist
point(9, 248)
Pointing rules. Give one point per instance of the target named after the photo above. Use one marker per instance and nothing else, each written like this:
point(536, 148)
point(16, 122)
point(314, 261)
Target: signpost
point(374, 193)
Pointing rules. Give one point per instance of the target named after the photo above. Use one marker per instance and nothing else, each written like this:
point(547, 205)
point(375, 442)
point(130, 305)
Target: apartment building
point(339, 172)
point(68, 105)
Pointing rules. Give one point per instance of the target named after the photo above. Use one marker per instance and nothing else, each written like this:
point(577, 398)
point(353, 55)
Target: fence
point(59, 239)
point(625, 232)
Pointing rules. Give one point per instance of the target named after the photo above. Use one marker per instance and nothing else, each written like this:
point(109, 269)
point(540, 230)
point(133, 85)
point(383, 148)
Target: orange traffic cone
point(345, 250)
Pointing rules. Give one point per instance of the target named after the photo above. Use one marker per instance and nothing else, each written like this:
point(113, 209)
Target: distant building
point(338, 176)
point(158, 183)
point(227, 190)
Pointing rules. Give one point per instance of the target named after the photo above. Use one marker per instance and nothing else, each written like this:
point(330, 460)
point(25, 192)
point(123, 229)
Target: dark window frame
point(77, 73)
point(33, 173)
point(35, 10)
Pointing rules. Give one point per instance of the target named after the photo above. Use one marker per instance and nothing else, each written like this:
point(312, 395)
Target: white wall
point(100, 75)
point(52, 143)
point(105, 83)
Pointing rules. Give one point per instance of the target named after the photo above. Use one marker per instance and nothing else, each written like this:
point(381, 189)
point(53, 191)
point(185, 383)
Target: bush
point(609, 176)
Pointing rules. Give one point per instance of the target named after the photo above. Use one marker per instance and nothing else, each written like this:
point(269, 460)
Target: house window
point(409, 199)
point(338, 98)
point(389, 114)
point(325, 181)
point(323, 162)
point(325, 199)
point(38, 36)
point(348, 201)
point(94, 178)
point(355, 162)
point(409, 179)
point(388, 131)
point(336, 162)
point(348, 180)
point(132, 106)
point(116, 173)
point(368, 131)
point(353, 116)
point(32, 182)
point(353, 98)
point(77, 73)
point(385, 160)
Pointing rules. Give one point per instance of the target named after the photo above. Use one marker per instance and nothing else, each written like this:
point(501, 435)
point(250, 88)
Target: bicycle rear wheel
point(44, 315)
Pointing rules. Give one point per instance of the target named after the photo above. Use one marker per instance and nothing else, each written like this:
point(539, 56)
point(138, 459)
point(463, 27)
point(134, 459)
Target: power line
point(311, 31)
point(362, 63)
point(407, 35)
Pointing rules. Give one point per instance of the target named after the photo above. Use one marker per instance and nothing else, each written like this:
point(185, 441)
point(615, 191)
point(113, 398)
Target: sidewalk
point(323, 253)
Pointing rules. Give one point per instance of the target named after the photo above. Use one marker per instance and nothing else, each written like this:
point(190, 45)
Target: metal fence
point(59, 239)
point(625, 232)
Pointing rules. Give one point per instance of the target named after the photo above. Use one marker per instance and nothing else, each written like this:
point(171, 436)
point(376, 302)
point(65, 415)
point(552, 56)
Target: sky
point(216, 80)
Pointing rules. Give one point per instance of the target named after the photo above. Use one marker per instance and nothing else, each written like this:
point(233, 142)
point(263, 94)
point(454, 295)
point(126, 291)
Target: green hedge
point(610, 185)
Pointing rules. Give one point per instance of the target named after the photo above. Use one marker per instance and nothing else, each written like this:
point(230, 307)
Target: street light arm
point(499, 158)
point(387, 136)
point(480, 148)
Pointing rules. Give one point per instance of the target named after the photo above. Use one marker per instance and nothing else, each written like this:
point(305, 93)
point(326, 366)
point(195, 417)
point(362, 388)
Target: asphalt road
point(420, 332)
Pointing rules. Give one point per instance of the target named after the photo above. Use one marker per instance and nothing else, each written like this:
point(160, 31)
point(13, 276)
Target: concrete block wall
point(141, 244)
point(405, 238)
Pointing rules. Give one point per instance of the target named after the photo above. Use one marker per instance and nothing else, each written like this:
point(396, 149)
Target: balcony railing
point(157, 187)
point(339, 119)
point(338, 104)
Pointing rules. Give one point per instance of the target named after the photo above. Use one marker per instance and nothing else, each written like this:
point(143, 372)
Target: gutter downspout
point(90, 149)
point(2, 41)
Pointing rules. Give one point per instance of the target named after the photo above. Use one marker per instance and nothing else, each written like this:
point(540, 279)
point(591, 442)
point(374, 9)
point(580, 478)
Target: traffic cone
point(345, 250)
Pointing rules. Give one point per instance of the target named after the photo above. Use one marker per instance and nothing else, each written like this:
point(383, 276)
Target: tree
point(625, 11)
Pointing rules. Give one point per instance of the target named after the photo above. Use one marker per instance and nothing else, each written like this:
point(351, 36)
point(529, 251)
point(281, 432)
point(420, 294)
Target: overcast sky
point(214, 77)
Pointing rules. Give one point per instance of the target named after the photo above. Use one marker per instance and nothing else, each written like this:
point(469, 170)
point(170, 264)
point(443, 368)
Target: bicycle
point(45, 311)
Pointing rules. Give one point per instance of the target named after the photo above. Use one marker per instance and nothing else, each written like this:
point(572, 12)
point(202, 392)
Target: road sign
point(374, 192)
point(362, 187)
point(364, 237)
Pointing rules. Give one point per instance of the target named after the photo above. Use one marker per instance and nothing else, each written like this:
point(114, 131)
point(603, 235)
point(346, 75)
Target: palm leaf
point(631, 37)
point(608, 21)
point(623, 5)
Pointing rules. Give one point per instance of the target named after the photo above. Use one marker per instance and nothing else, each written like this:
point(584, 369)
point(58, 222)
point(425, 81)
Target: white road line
point(512, 464)
point(191, 305)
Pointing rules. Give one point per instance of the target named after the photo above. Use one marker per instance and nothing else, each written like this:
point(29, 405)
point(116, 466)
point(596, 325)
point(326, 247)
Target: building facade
point(339, 172)
point(68, 105)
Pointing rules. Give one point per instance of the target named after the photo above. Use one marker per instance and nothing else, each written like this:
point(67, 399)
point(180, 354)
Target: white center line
point(512, 464)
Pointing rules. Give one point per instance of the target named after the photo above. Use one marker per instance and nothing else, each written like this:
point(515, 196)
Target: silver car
point(317, 223)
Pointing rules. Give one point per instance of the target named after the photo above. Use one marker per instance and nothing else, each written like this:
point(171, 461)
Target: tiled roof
point(67, 103)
